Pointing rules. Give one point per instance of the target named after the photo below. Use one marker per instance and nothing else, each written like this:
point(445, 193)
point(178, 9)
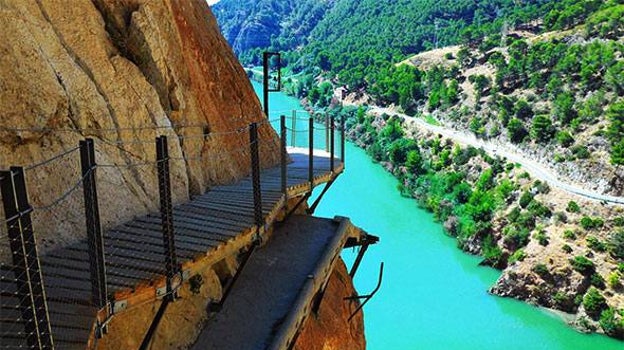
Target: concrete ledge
point(287, 333)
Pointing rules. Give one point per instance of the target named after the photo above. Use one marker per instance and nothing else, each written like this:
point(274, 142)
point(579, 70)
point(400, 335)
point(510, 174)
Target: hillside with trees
point(252, 26)
point(543, 78)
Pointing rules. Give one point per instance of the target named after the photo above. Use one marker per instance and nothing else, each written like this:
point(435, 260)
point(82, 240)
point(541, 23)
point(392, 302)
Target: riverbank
point(416, 254)
point(533, 232)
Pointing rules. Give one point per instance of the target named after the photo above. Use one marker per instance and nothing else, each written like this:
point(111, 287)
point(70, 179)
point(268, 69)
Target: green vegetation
point(541, 270)
point(569, 234)
point(615, 132)
point(597, 281)
point(610, 323)
point(595, 244)
point(614, 279)
point(541, 237)
point(519, 255)
point(616, 245)
point(594, 303)
point(589, 223)
point(554, 93)
point(573, 207)
point(582, 265)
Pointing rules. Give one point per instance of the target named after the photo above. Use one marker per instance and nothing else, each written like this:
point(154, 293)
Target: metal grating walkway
point(134, 250)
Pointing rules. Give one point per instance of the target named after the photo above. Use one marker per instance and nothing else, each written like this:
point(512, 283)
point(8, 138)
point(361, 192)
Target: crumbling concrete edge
point(287, 333)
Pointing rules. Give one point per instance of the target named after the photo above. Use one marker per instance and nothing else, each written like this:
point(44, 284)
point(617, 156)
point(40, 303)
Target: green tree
point(594, 303)
point(414, 162)
point(523, 110)
point(516, 130)
point(582, 265)
point(565, 139)
point(542, 129)
point(615, 115)
point(573, 207)
point(616, 245)
point(481, 84)
point(564, 107)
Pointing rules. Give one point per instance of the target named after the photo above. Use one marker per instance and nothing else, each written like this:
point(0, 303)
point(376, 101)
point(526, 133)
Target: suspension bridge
point(67, 297)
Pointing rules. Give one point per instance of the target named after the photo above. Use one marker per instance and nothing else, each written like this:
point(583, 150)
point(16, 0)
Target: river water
point(433, 295)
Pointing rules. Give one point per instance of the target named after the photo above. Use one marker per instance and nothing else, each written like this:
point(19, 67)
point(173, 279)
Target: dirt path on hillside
point(506, 150)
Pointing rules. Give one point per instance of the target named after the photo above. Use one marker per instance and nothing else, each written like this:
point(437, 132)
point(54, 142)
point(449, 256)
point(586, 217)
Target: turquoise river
point(433, 295)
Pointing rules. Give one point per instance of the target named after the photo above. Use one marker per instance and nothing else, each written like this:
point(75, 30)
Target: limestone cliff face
point(122, 72)
point(329, 328)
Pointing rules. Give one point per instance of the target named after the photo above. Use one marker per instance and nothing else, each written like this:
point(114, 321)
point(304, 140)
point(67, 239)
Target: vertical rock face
point(330, 328)
point(122, 72)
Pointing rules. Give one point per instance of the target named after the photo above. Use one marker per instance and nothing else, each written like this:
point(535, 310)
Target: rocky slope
point(253, 24)
point(331, 322)
point(557, 117)
point(555, 249)
point(121, 72)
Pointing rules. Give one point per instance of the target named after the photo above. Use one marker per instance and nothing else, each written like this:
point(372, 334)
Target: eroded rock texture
point(121, 72)
point(330, 328)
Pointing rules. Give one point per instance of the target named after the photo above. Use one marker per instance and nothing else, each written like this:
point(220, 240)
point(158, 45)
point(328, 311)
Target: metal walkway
point(222, 217)
point(277, 289)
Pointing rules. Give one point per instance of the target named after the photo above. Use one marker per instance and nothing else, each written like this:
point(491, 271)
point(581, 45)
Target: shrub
point(594, 303)
point(616, 245)
point(525, 199)
point(560, 298)
point(541, 187)
point(518, 255)
point(516, 131)
point(541, 270)
point(591, 223)
point(595, 244)
point(492, 252)
point(614, 279)
point(581, 152)
point(527, 221)
point(542, 129)
point(610, 324)
point(541, 237)
point(539, 210)
point(561, 217)
point(514, 214)
point(516, 237)
point(569, 234)
point(566, 248)
point(597, 281)
point(523, 110)
point(619, 221)
point(582, 265)
point(573, 207)
point(564, 138)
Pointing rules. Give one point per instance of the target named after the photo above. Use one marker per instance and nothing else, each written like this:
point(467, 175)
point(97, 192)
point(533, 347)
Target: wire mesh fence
point(86, 258)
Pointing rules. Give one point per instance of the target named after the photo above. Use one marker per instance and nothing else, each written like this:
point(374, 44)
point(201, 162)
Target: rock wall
point(329, 328)
point(121, 72)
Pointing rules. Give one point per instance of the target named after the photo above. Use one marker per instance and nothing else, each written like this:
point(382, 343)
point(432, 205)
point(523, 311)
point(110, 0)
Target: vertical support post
point(294, 128)
point(283, 159)
point(265, 82)
point(326, 132)
point(27, 268)
point(358, 259)
point(166, 213)
point(255, 175)
point(99, 293)
point(331, 144)
point(311, 153)
point(342, 140)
